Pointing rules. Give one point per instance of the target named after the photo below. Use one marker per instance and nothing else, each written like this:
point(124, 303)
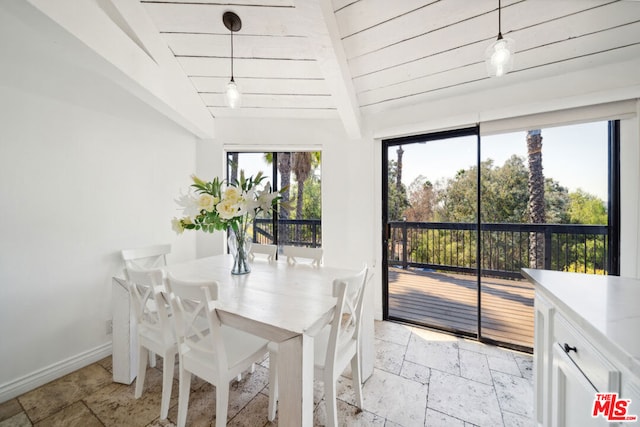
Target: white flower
point(176, 225)
point(206, 202)
point(251, 202)
point(227, 209)
point(189, 204)
point(265, 199)
point(232, 194)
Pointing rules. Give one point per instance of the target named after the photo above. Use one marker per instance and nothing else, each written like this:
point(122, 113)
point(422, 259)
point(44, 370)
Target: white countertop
point(606, 307)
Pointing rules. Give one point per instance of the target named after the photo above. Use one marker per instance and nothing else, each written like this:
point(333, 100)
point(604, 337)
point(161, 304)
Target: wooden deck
point(448, 301)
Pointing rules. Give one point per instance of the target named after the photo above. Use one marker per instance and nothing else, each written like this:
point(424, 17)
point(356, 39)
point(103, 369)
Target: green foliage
point(504, 193)
point(397, 194)
point(585, 208)
point(312, 199)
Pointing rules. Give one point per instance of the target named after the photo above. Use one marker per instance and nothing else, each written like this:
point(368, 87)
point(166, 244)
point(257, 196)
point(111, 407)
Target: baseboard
point(21, 385)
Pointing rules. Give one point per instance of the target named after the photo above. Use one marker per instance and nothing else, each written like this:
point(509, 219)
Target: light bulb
point(232, 95)
point(500, 57)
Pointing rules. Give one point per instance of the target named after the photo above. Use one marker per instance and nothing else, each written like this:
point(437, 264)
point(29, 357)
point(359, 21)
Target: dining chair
point(148, 257)
point(302, 255)
point(336, 346)
point(154, 329)
point(269, 251)
point(217, 354)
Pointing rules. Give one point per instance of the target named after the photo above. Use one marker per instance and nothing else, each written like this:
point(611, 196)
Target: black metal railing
point(504, 248)
point(303, 232)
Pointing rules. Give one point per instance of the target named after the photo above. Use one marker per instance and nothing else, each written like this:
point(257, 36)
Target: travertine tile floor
point(421, 378)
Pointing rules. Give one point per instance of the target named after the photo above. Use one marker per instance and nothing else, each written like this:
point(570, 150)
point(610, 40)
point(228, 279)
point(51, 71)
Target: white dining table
point(279, 302)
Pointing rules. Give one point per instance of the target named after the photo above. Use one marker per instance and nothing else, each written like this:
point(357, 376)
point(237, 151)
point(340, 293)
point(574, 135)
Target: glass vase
point(239, 246)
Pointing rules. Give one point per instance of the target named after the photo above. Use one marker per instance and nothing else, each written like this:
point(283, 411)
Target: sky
point(576, 156)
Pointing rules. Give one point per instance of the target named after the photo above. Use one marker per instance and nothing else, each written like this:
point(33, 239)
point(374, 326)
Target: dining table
point(286, 304)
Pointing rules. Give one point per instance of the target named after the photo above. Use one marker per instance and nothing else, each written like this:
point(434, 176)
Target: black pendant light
point(232, 94)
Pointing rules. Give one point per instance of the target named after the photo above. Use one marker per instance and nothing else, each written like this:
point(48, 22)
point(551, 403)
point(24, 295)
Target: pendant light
point(232, 94)
point(499, 55)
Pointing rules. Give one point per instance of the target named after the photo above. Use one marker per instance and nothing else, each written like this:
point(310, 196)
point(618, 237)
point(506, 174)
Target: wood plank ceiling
point(346, 58)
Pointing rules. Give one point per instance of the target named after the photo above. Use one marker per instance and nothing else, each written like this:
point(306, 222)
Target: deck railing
point(303, 232)
point(505, 248)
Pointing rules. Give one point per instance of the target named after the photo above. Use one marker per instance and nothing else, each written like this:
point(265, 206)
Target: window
point(300, 172)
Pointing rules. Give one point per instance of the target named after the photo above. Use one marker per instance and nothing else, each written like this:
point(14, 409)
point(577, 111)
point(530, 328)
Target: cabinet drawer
point(602, 374)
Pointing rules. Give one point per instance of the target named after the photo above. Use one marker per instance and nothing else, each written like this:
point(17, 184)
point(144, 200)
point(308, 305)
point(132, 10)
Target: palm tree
point(536, 197)
point(301, 169)
point(284, 167)
point(400, 152)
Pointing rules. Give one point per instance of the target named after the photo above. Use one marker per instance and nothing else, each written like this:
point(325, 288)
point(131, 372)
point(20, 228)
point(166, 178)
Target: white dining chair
point(266, 251)
point(148, 257)
point(302, 255)
point(218, 354)
point(154, 330)
point(336, 346)
point(145, 258)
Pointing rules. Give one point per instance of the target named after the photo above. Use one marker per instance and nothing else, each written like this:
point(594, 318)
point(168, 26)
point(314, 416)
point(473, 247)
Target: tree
point(422, 199)
point(536, 196)
point(585, 208)
point(397, 200)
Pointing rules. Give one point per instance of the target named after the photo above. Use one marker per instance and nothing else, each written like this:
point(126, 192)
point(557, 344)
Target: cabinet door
point(573, 394)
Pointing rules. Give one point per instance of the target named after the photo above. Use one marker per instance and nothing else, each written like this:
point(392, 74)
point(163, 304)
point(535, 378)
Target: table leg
point(295, 382)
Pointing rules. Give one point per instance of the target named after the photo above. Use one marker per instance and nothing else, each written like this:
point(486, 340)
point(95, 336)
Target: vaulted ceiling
point(349, 58)
point(359, 61)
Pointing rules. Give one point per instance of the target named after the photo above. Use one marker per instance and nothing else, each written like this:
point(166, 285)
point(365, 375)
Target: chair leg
point(183, 396)
point(356, 374)
point(222, 403)
point(168, 363)
point(152, 359)
point(142, 370)
point(273, 384)
point(330, 400)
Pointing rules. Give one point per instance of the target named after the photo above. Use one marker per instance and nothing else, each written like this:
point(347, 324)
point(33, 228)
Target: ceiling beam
point(121, 32)
point(322, 33)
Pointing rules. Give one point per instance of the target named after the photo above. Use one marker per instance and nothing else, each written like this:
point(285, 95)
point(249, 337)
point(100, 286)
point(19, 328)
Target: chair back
point(345, 325)
point(193, 305)
point(146, 258)
point(303, 255)
point(149, 306)
point(267, 250)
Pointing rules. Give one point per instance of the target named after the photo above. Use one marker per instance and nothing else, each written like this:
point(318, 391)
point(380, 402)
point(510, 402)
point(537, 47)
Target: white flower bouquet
point(218, 205)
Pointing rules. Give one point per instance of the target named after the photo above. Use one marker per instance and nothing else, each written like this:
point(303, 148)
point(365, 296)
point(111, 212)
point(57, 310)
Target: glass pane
point(301, 173)
point(432, 213)
point(252, 163)
point(539, 189)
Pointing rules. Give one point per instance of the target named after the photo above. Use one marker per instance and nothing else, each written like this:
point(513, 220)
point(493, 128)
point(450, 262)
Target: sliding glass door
point(431, 230)
point(463, 215)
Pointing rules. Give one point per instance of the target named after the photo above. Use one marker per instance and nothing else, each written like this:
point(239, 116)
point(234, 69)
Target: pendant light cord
point(499, 19)
point(231, 55)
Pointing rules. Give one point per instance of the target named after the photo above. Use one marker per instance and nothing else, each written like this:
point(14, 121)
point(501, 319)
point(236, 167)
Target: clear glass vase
point(239, 246)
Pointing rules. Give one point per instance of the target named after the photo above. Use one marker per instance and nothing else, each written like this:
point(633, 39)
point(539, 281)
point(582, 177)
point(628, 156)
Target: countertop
point(605, 307)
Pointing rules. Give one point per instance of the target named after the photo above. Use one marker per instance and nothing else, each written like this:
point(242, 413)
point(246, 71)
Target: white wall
point(85, 170)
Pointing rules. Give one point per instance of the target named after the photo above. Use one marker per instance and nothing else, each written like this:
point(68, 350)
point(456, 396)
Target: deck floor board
point(448, 301)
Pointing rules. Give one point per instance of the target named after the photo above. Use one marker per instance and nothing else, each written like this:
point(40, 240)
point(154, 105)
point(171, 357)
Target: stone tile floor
point(421, 378)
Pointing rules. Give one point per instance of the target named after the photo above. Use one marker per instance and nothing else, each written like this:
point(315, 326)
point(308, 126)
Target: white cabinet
point(571, 392)
point(587, 341)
